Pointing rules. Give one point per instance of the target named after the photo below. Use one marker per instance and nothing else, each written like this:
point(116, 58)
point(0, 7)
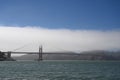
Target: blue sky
point(57, 14)
point(72, 25)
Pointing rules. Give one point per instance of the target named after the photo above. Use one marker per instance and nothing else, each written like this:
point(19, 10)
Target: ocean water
point(60, 70)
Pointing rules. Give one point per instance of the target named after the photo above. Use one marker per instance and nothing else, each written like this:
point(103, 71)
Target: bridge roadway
point(22, 52)
point(42, 52)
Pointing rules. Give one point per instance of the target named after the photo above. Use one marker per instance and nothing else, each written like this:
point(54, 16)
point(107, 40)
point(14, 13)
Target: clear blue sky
point(70, 14)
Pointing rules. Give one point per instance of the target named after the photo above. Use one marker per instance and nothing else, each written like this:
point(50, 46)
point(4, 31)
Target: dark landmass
point(87, 55)
point(4, 57)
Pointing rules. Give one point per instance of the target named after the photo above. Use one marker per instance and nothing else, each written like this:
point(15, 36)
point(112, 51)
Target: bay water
point(60, 70)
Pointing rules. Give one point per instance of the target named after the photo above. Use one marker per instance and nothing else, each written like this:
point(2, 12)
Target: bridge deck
point(42, 52)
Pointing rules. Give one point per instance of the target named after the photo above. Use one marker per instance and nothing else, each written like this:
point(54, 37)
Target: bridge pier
point(40, 54)
point(9, 54)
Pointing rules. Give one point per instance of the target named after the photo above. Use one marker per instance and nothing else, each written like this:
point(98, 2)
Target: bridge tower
point(40, 53)
point(9, 54)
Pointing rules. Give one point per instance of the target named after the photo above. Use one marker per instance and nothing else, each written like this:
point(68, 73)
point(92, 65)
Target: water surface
point(60, 70)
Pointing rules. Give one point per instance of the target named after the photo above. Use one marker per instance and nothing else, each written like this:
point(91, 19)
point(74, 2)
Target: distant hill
point(87, 55)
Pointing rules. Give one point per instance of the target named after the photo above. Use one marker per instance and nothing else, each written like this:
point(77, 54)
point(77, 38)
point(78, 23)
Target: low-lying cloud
point(57, 39)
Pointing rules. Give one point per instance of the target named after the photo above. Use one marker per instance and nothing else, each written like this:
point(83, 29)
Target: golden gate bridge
point(39, 53)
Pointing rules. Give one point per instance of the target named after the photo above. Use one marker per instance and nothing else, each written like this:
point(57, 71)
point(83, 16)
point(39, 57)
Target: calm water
point(60, 70)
